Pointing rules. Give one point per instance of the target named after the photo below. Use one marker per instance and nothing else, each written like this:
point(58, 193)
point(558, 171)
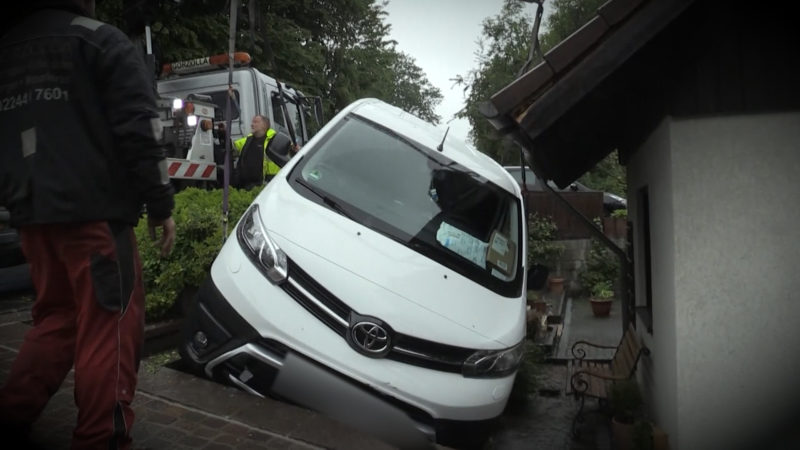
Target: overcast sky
point(442, 36)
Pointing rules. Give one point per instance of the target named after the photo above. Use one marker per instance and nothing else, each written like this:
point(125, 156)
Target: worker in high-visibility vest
point(254, 167)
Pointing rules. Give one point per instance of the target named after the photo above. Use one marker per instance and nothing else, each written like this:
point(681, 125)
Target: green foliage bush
point(198, 220)
point(626, 400)
point(602, 290)
point(542, 247)
point(601, 269)
point(527, 379)
point(620, 213)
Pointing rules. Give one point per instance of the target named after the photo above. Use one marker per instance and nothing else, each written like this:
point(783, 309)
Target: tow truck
point(192, 96)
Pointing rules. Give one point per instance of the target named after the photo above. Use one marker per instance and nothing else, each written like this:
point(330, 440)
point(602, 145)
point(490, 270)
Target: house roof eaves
point(530, 105)
point(593, 68)
point(517, 96)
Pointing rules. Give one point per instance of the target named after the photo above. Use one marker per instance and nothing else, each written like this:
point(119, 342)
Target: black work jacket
point(79, 130)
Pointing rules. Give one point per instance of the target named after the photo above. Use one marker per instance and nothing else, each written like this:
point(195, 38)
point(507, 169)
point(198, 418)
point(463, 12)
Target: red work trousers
point(89, 311)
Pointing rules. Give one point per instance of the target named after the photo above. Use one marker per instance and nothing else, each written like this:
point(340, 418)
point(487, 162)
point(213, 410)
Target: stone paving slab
point(546, 422)
point(581, 324)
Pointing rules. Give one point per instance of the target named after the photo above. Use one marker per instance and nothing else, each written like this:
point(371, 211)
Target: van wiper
point(333, 204)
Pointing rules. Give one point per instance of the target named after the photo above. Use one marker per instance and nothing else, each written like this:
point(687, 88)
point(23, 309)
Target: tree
point(411, 90)
point(502, 50)
point(337, 50)
point(504, 47)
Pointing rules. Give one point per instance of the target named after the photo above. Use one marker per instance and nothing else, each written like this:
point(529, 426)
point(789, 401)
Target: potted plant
point(602, 294)
point(543, 251)
point(601, 267)
point(536, 302)
point(626, 406)
point(648, 436)
point(630, 428)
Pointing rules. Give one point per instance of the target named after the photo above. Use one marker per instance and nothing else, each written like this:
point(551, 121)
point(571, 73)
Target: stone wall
point(573, 260)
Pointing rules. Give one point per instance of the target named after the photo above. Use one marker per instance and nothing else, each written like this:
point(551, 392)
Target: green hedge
point(198, 220)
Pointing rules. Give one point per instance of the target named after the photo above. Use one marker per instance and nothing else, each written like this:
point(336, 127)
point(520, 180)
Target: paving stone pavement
point(175, 410)
point(546, 421)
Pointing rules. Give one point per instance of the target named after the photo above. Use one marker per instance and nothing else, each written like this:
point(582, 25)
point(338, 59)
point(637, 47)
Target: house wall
point(650, 166)
point(736, 245)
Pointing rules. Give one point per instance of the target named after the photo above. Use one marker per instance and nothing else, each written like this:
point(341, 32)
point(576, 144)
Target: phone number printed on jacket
point(38, 94)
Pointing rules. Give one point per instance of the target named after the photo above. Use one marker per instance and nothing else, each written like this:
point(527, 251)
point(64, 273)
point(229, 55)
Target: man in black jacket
point(79, 158)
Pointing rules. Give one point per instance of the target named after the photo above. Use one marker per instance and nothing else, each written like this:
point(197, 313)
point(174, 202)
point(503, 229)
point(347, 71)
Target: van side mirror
point(279, 149)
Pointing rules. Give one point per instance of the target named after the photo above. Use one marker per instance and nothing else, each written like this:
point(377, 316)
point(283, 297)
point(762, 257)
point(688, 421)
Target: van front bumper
point(227, 348)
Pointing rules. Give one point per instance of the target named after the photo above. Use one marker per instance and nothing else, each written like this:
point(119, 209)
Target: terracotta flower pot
point(556, 285)
point(601, 307)
point(623, 434)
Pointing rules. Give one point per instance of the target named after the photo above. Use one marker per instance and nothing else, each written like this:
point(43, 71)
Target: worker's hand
point(167, 240)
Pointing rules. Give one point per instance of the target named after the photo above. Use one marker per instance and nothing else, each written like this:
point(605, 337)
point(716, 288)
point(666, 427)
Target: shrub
point(198, 221)
point(542, 247)
point(626, 400)
point(620, 213)
point(602, 266)
point(527, 379)
point(602, 290)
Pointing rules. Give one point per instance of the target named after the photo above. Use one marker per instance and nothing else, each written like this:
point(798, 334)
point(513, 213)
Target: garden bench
point(594, 378)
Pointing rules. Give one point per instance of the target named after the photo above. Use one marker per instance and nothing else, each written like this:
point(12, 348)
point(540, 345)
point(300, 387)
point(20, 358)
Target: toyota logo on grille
point(370, 339)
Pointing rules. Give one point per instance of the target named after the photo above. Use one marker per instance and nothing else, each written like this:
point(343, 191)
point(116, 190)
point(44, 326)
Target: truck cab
point(255, 93)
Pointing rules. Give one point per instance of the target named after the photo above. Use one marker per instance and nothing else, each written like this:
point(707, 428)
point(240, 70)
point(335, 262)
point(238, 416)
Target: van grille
point(334, 313)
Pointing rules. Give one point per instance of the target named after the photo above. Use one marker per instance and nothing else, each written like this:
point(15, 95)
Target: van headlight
point(260, 248)
point(493, 363)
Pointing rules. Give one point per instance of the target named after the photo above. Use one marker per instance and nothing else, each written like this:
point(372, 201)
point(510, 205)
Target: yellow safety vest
point(270, 168)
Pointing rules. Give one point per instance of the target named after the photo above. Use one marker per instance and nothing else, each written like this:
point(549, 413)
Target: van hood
point(378, 277)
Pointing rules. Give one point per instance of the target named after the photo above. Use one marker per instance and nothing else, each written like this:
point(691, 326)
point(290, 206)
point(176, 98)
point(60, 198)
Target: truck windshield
point(218, 98)
point(419, 198)
point(294, 116)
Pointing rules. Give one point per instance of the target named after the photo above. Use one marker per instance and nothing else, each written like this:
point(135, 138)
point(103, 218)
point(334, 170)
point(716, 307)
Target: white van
point(379, 279)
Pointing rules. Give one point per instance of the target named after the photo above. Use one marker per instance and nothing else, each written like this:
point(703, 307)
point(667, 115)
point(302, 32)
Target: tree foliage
point(502, 51)
point(337, 50)
point(504, 48)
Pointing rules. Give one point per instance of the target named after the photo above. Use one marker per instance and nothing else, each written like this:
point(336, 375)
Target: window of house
point(645, 310)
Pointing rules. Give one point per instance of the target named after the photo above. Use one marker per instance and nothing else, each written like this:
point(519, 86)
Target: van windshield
point(419, 198)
